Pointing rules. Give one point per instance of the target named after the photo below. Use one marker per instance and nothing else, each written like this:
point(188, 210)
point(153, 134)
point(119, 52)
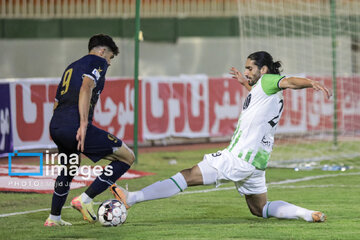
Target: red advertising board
point(185, 106)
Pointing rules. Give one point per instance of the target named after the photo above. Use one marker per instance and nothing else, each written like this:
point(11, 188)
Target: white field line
point(35, 211)
point(314, 159)
point(273, 184)
point(316, 186)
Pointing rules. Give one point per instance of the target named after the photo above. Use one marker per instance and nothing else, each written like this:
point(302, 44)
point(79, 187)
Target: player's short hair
point(103, 40)
point(263, 58)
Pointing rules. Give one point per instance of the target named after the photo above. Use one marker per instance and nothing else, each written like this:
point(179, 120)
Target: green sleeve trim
point(261, 159)
point(235, 141)
point(177, 184)
point(248, 155)
point(270, 83)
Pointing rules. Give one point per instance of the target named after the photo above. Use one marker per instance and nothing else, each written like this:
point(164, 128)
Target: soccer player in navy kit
point(72, 130)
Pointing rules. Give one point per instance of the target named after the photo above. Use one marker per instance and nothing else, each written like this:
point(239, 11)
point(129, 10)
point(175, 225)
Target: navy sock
point(102, 182)
point(61, 191)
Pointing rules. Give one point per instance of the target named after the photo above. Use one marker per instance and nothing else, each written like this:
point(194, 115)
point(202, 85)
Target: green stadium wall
point(170, 29)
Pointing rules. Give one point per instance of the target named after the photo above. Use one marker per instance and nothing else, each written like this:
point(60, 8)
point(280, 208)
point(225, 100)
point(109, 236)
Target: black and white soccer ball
point(112, 213)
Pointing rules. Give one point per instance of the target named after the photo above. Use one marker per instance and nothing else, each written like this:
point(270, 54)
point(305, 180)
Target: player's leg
point(255, 192)
point(201, 174)
point(260, 207)
point(102, 145)
point(256, 203)
point(285, 210)
point(162, 189)
point(121, 161)
point(61, 191)
point(64, 137)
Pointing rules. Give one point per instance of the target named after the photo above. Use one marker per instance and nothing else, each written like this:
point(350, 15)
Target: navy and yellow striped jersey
point(67, 94)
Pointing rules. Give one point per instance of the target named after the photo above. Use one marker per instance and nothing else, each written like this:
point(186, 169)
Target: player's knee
point(125, 155)
point(131, 157)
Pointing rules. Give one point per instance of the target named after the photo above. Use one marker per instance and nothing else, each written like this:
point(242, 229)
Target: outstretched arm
point(240, 78)
point(298, 83)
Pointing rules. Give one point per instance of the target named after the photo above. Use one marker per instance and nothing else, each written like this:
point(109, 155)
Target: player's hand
point(319, 87)
point(80, 136)
point(238, 76)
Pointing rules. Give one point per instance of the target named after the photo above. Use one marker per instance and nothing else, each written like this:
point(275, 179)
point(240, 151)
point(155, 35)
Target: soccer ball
point(112, 213)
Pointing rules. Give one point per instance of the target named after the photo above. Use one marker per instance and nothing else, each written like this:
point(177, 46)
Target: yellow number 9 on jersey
point(66, 81)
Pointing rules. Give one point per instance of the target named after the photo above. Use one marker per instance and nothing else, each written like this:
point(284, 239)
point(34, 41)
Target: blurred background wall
point(319, 39)
point(180, 37)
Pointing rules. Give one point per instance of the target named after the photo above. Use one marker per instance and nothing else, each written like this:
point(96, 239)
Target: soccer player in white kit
point(245, 159)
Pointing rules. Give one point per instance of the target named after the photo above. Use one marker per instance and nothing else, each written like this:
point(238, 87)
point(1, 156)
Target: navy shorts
point(98, 143)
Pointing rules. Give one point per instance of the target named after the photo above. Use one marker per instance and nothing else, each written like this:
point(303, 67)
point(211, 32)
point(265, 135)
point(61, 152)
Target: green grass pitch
point(210, 215)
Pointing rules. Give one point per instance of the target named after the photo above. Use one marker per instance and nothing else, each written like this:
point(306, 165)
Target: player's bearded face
point(252, 72)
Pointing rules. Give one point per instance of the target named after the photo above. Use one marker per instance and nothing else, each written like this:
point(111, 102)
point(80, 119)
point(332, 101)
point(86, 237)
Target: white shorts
point(223, 167)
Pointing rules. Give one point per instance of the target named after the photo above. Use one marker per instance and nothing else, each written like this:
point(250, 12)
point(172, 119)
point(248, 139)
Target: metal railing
point(169, 8)
point(115, 8)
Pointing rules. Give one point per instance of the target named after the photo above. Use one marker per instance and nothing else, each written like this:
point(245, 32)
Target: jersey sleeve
point(96, 69)
point(270, 83)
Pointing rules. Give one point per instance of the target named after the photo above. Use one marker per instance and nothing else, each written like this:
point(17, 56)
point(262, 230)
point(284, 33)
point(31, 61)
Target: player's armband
point(270, 83)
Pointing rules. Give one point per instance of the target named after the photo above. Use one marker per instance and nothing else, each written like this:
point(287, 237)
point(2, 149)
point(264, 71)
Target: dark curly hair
point(263, 58)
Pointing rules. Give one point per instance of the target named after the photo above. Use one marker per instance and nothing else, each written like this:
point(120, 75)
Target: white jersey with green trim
point(253, 138)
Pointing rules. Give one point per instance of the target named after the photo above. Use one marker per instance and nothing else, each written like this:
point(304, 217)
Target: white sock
point(85, 198)
point(281, 209)
point(55, 218)
point(160, 189)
